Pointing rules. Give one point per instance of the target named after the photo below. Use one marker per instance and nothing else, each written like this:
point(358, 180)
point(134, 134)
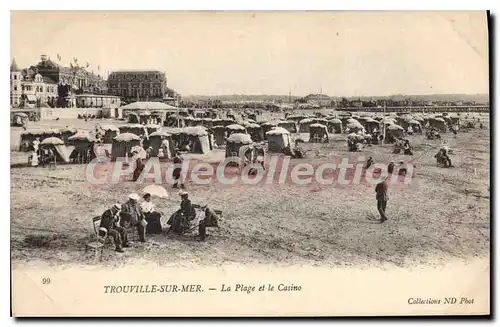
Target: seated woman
point(152, 217)
point(183, 219)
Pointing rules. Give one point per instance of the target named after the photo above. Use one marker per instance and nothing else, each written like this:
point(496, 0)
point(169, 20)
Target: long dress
point(153, 218)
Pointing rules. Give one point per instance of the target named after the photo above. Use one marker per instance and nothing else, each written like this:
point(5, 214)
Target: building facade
point(28, 88)
point(70, 81)
point(138, 85)
point(321, 100)
point(97, 101)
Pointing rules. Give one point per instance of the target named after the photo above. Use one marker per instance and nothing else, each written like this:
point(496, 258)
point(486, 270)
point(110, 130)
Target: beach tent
point(123, 143)
point(82, 143)
point(234, 142)
point(156, 139)
point(207, 122)
point(318, 133)
point(19, 119)
point(197, 137)
point(278, 139)
point(304, 125)
point(235, 128)
point(219, 133)
point(334, 126)
point(255, 132)
point(438, 123)
point(136, 129)
point(267, 126)
point(29, 136)
point(61, 151)
point(66, 132)
point(289, 125)
point(110, 132)
point(394, 131)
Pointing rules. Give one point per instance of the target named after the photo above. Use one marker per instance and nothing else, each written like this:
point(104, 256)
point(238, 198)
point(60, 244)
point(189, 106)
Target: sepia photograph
point(250, 163)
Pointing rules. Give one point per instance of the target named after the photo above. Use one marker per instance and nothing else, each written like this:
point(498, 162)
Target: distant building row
point(51, 84)
point(323, 100)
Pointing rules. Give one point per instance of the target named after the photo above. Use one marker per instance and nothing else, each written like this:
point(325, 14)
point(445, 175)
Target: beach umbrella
point(156, 190)
point(52, 141)
point(394, 127)
point(109, 128)
point(82, 137)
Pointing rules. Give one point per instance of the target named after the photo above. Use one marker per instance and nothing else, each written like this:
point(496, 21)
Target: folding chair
point(100, 242)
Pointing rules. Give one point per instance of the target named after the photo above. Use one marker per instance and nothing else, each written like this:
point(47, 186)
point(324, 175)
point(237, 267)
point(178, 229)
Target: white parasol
point(156, 190)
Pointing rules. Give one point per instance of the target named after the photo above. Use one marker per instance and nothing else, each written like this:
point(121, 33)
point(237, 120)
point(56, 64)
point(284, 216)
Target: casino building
point(70, 81)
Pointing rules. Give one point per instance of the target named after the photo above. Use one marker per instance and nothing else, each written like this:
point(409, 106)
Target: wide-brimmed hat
point(183, 193)
point(134, 196)
point(117, 206)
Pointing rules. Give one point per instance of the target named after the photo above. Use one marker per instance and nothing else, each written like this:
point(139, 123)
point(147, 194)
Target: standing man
point(109, 220)
point(177, 173)
point(132, 215)
point(382, 198)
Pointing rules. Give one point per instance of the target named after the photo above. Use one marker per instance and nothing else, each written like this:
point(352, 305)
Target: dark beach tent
point(82, 142)
point(189, 121)
point(234, 142)
point(219, 133)
point(110, 132)
point(156, 140)
point(278, 139)
point(289, 125)
point(29, 136)
point(133, 118)
point(151, 128)
point(66, 132)
point(354, 127)
point(199, 138)
point(304, 125)
point(255, 132)
point(207, 122)
point(318, 133)
point(334, 126)
point(19, 119)
point(60, 150)
point(394, 131)
point(438, 123)
point(369, 124)
point(123, 143)
point(136, 129)
point(267, 126)
point(235, 128)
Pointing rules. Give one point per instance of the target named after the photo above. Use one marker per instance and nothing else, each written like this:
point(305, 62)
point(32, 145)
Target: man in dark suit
point(131, 215)
point(382, 198)
point(109, 220)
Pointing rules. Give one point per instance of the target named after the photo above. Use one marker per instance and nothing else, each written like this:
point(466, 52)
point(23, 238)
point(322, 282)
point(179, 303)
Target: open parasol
point(156, 190)
point(52, 141)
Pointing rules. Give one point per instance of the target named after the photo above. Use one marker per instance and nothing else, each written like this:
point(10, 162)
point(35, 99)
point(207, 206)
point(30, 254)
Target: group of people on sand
point(402, 145)
point(143, 217)
point(40, 155)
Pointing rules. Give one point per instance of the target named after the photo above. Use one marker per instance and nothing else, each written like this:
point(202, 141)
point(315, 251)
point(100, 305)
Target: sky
point(215, 53)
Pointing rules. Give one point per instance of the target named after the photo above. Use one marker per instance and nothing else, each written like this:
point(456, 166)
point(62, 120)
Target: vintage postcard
point(237, 163)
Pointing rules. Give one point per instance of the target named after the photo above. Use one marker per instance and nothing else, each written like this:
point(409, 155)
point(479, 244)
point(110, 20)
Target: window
point(15, 87)
point(156, 77)
point(15, 76)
